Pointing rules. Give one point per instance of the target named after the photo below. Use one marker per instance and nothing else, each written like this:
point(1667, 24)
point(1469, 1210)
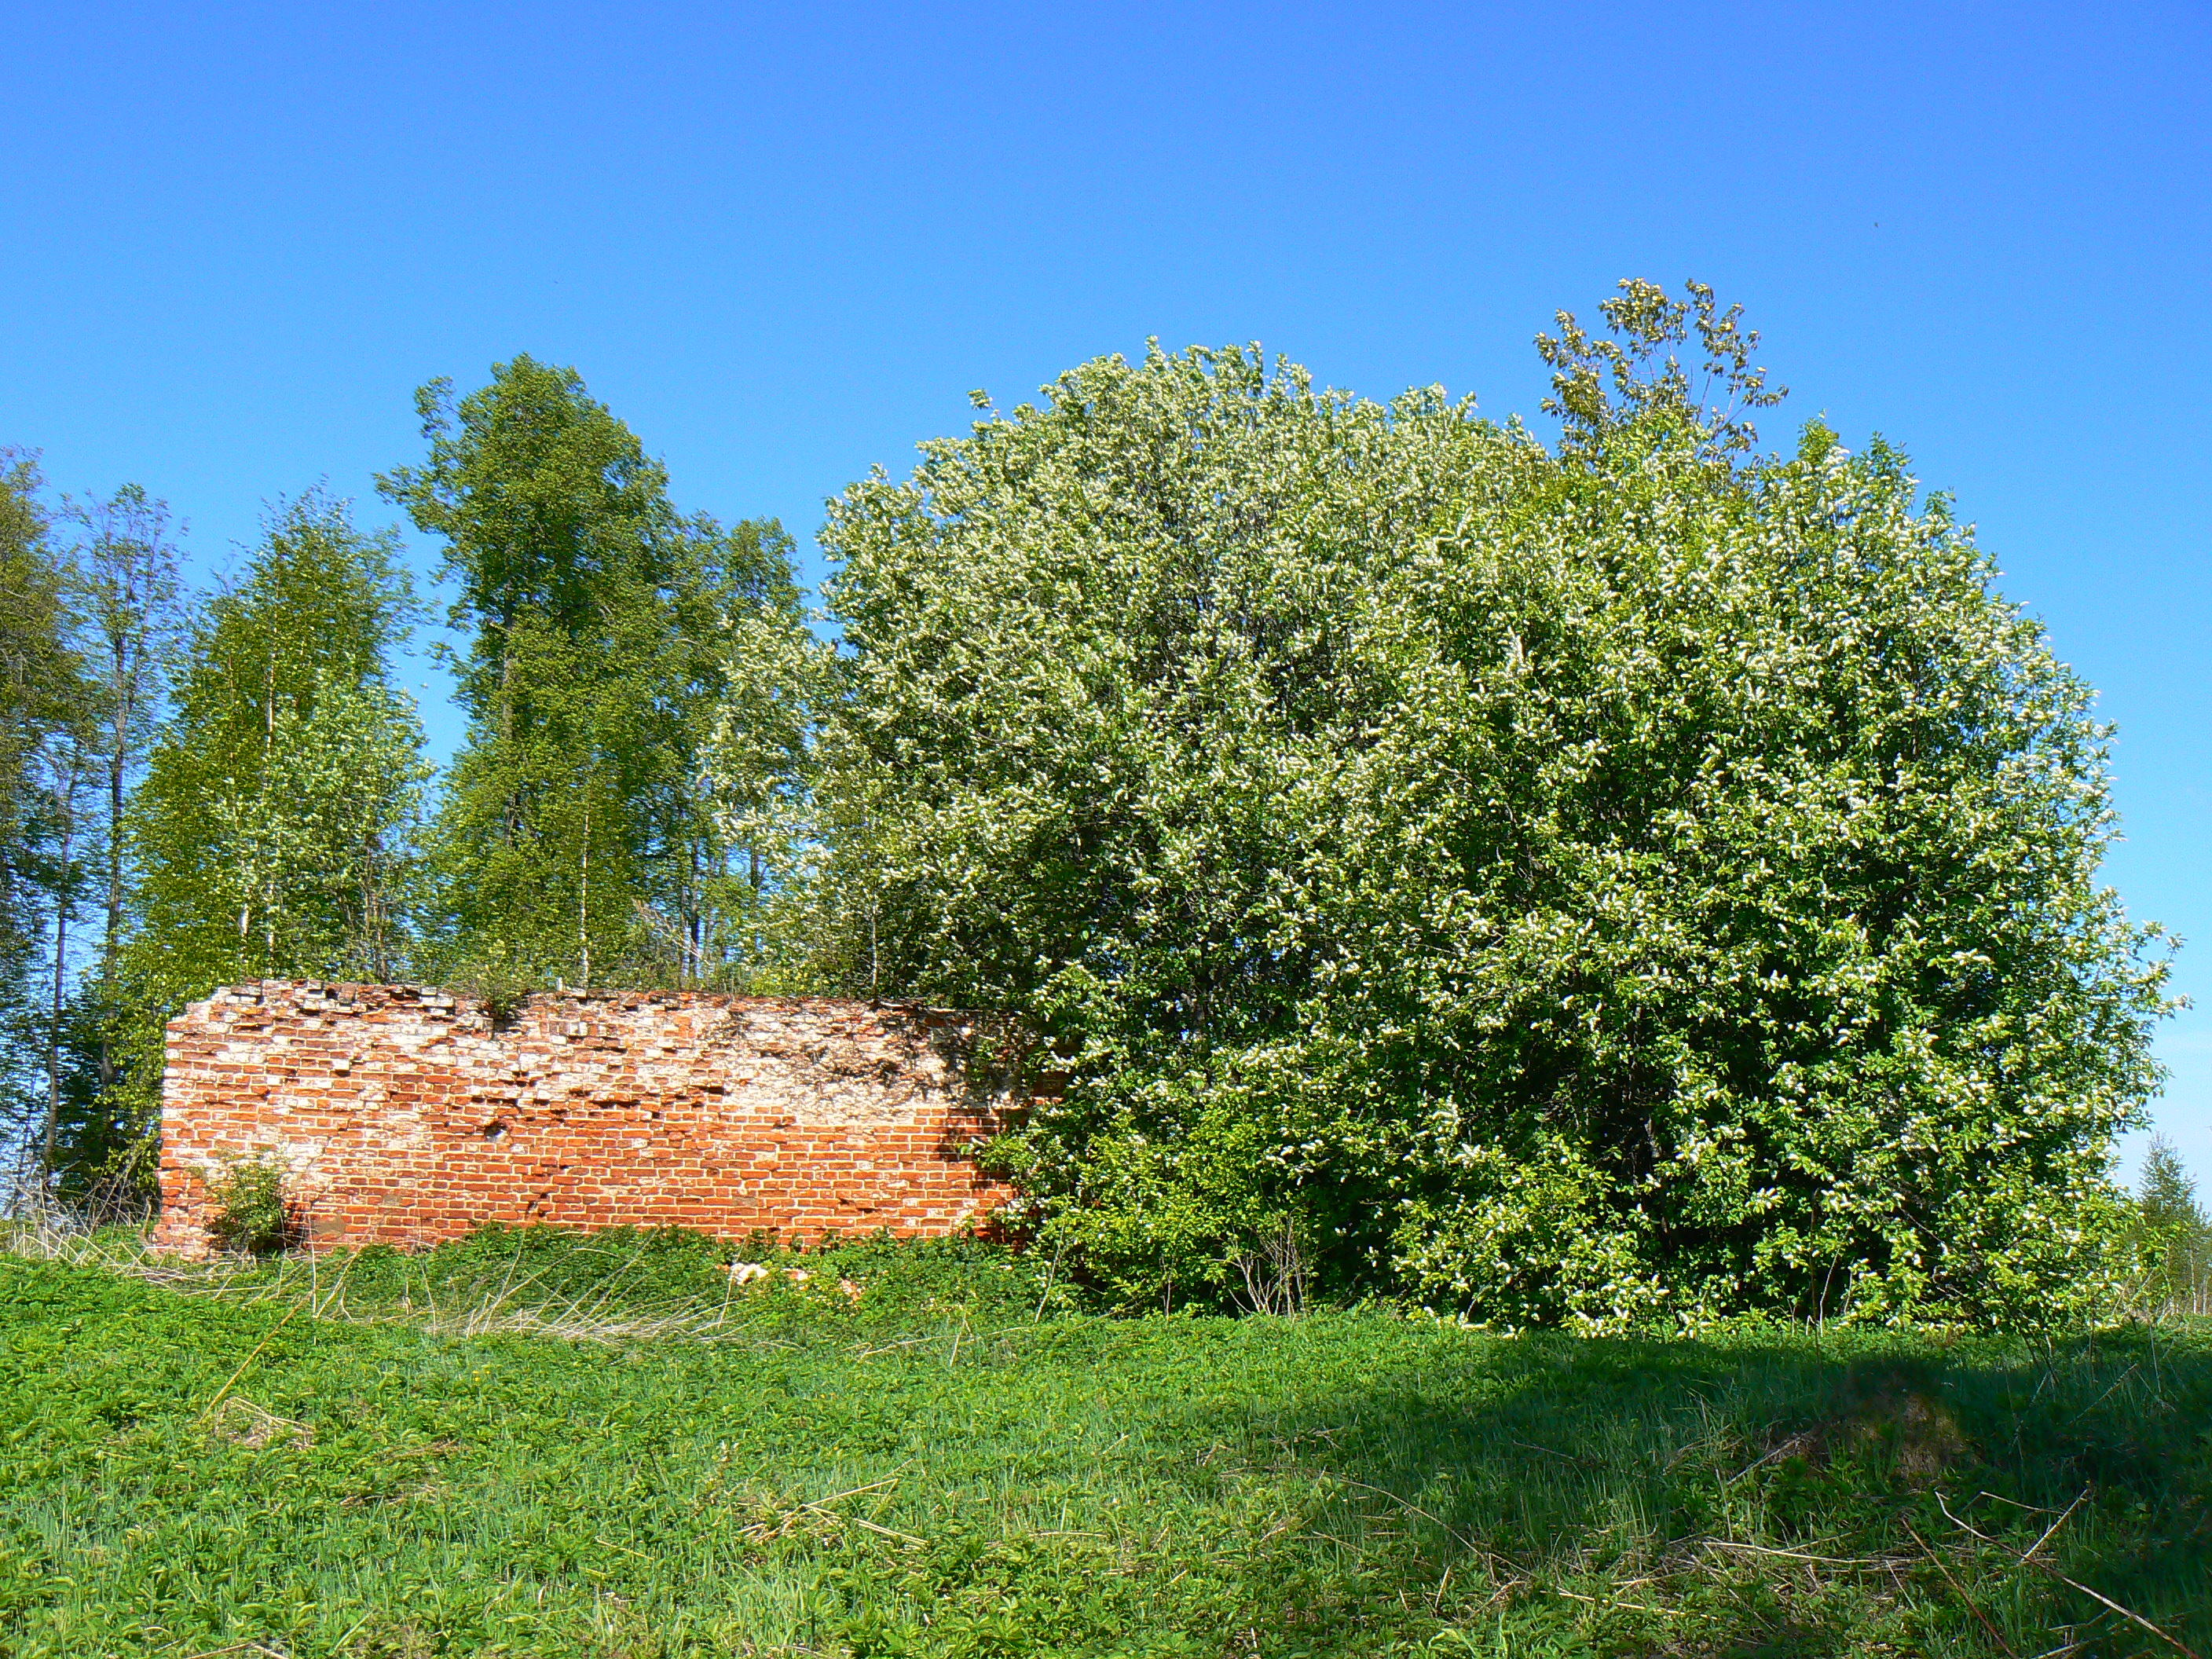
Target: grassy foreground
point(528, 1444)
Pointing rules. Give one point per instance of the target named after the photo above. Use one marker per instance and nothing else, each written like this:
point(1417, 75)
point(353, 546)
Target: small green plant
point(246, 1208)
point(502, 988)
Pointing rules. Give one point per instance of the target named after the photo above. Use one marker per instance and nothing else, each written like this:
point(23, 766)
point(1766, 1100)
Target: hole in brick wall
point(495, 1131)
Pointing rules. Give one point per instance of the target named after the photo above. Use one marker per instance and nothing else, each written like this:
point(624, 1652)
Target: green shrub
point(503, 988)
point(246, 1208)
point(2171, 1238)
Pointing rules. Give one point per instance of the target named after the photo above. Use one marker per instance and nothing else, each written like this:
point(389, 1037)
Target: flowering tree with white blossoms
point(1632, 881)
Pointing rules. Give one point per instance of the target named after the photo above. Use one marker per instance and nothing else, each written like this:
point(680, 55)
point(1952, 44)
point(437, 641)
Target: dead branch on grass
point(2046, 1568)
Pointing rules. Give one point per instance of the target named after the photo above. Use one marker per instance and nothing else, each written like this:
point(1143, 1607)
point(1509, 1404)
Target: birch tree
point(273, 834)
point(578, 836)
point(128, 596)
point(44, 699)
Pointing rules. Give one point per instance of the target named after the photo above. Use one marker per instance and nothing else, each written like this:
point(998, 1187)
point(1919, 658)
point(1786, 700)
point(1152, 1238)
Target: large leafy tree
point(1623, 881)
point(270, 834)
point(578, 835)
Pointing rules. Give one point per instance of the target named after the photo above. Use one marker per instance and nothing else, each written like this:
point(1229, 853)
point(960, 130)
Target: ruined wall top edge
point(290, 992)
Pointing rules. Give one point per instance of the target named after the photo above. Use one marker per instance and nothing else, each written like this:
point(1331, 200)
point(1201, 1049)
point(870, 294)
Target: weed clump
point(504, 989)
point(248, 1214)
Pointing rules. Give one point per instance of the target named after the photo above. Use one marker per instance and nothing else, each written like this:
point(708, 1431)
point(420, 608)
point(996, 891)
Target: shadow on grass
point(1803, 1495)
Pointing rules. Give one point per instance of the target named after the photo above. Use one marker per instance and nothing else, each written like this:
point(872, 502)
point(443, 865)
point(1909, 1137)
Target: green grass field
point(529, 1444)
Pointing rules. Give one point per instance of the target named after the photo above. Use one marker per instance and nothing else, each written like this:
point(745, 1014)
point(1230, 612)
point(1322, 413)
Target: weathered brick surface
point(401, 1116)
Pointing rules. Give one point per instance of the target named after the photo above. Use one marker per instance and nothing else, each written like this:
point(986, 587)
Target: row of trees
point(1622, 880)
point(200, 791)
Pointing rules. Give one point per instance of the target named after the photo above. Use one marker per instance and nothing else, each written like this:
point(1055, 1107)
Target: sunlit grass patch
point(535, 1444)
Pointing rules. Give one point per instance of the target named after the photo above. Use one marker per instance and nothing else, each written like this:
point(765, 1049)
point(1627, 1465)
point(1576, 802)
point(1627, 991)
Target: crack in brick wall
point(401, 1114)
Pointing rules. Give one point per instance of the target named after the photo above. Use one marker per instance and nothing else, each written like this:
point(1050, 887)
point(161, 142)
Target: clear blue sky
point(783, 242)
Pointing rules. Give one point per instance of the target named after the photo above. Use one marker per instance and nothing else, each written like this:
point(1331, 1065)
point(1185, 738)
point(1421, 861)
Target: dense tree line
point(203, 789)
point(1628, 879)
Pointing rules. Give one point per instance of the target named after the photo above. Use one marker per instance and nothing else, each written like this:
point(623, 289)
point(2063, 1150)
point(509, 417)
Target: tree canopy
point(1616, 879)
point(576, 836)
point(1632, 879)
point(272, 835)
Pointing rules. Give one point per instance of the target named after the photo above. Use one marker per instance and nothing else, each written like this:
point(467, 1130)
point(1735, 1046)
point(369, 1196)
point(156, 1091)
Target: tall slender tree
point(43, 697)
point(2174, 1236)
point(578, 837)
point(779, 679)
point(272, 836)
point(129, 597)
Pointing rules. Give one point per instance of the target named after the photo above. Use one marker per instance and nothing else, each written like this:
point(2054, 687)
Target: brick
point(725, 1113)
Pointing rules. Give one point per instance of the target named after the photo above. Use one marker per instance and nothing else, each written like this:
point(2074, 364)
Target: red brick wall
point(401, 1116)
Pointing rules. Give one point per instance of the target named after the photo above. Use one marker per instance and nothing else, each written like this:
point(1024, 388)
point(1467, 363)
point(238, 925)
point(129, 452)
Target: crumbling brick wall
point(404, 1115)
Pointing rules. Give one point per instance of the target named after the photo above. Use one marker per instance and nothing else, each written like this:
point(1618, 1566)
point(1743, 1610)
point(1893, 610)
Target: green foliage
point(104, 1157)
point(1599, 385)
point(2172, 1236)
point(503, 990)
point(270, 834)
point(127, 596)
point(42, 702)
point(760, 771)
point(247, 1210)
point(320, 1459)
point(1624, 885)
point(578, 837)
